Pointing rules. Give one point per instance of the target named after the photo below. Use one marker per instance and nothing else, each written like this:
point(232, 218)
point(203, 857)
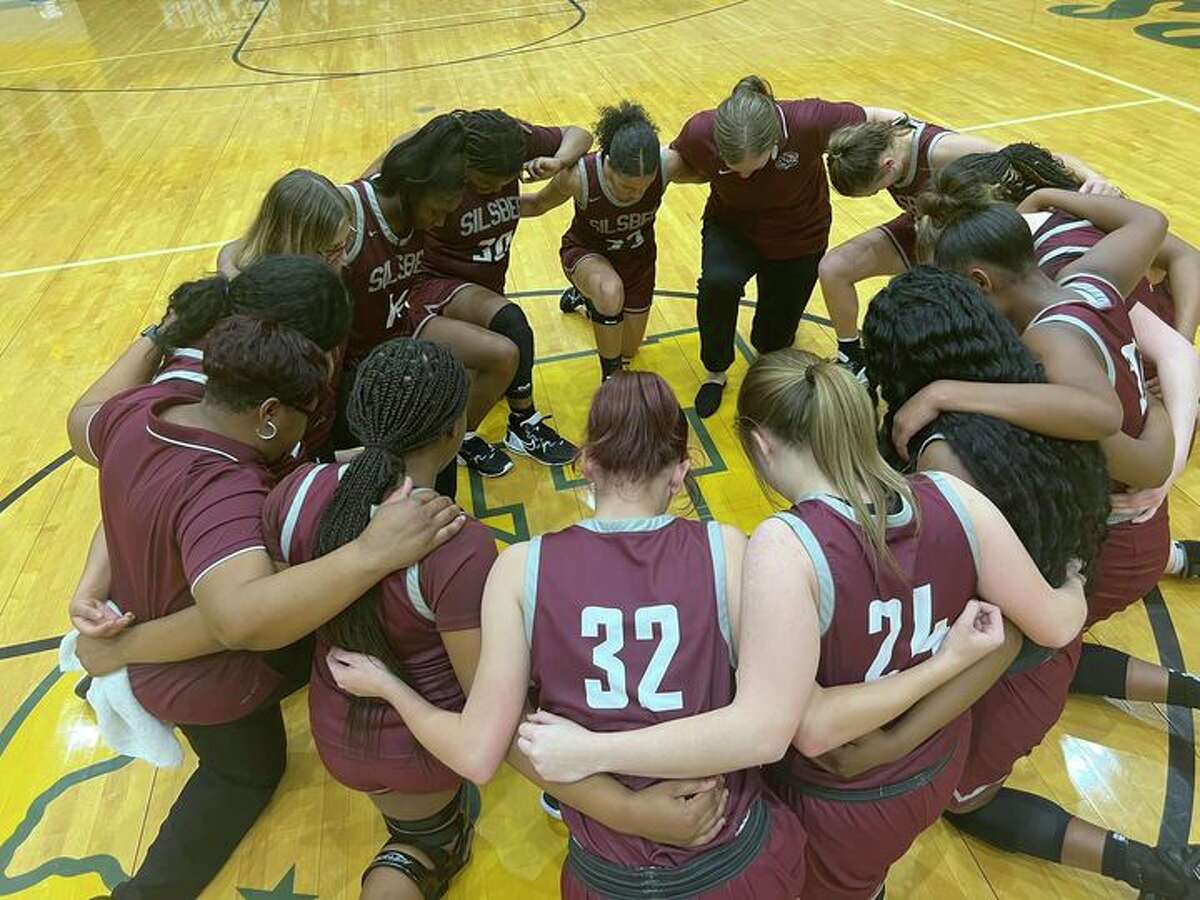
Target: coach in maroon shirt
point(768, 215)
point(182, 485)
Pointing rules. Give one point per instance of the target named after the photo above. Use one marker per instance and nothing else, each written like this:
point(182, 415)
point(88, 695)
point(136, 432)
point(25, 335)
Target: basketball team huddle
point(976, 478)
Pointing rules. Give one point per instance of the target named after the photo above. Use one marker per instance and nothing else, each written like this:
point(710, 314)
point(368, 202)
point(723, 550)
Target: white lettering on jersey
point(489, 215)
point(396, 268)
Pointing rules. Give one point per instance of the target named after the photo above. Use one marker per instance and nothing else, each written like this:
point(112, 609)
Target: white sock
point(467, 436)
point(1177, 560)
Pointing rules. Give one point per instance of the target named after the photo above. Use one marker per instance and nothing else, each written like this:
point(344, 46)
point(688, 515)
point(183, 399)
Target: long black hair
point(628, 139)
point(928, 324)
point(407, 393)
point(302, 292)
point(431, 161)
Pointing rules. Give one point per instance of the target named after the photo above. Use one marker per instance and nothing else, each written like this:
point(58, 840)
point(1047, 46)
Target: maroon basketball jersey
point(440, 593)
point(379, 269)
point(925, 137)
point(628, 626)
point(610, 228)
point(878, 618)
point(1063, 238)
point(473, 244)
point(783, 208)
point(1100, 314)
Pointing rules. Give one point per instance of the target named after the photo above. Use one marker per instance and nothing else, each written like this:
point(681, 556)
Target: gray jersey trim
point(360, 224)
point(412, 584)
point(293, 513)
point(1061, 229)
point(716, 546)
point(942, 483)
point(533, 565)
point(918, 128)
point(933, 438)
point(181, 375)
point(581, 190)
point(837, 504)
point(626, 526)
point(827, 597)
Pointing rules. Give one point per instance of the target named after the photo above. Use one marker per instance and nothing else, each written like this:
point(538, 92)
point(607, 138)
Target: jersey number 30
point(609, 623)
point(926, 636)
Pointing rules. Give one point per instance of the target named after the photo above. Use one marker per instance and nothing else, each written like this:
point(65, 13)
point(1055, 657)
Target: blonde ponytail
point(805, 401)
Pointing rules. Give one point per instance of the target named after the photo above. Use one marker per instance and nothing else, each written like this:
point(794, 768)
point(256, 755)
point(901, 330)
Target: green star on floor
point(285, 890)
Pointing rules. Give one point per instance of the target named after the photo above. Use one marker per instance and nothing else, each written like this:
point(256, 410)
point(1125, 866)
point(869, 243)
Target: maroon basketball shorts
point(902, 231)
point(1132, 559)
point(428, 297)
point(417, 772)
point(855, 838)
point(1013, 717)
point(636, 271)
point(776, 872)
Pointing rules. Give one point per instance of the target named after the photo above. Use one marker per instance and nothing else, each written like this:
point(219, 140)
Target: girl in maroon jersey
point(1055, 495)
point(608, 253)
point(813, 579)
point(182, 484)
point(417, 183)
point(767, 216)
point(408, 410)
point(898, 156)
point(1171, 289)
point(464, 267)
point(302, 214)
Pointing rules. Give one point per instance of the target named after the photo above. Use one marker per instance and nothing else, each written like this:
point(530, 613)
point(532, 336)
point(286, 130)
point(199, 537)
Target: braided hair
point(494, 142)
point(407, 394)
point(1016, 171)
point(928, 324)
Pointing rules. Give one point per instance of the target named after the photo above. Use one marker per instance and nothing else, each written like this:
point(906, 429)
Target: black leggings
point(727, 262)
point(240, 765)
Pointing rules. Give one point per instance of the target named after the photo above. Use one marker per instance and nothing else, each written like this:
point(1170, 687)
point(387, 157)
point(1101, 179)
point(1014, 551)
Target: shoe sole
point(521, 451)
point(466, 465)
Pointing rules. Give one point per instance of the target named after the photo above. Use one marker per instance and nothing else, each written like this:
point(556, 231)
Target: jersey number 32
point(609, 623)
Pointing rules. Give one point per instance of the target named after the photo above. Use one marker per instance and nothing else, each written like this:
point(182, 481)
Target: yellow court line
point(1017, 45)
point(1065, 113)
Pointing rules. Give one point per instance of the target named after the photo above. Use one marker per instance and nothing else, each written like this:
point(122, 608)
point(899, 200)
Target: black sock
point(1101, 672)
point(1183, 689)
point(609, 366)
point(517, 416)
point(1115, 862)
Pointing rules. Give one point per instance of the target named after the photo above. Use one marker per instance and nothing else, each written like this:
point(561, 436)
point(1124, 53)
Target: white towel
point(124, 723)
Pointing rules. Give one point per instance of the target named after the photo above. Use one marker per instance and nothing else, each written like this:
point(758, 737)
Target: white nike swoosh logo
point(724, 171)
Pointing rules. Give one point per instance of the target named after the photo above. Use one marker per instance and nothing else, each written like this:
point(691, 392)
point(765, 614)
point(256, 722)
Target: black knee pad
point(445, 837)
point(511, 323)
point(600, 318)
point(1017, 822)
point(1101, 672)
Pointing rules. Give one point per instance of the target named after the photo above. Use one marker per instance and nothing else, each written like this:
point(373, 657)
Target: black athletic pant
point(727, 262)
point(240, 765)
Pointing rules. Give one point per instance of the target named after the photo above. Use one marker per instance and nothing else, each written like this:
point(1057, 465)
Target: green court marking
point(284, 890)
point(479, 504)
point(103, 864)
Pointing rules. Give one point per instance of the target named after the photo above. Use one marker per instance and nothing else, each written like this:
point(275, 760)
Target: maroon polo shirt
point(783, 208)
point(177, 502)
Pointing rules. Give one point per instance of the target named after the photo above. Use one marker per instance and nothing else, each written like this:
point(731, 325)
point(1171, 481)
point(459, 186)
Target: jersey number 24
point(890, 614)
point(609, 623)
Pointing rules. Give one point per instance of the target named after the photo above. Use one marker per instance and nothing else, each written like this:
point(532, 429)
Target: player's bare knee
point(610, 296)
point(838, 266)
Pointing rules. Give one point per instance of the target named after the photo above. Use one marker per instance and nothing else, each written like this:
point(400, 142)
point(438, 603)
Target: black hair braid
point(1014, 172)
point(929, 324)
point(494, 142)
point(406, 394)
point(192, 310)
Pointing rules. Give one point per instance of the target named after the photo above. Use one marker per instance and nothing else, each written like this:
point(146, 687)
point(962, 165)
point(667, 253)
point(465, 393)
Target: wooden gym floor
point(135, 137)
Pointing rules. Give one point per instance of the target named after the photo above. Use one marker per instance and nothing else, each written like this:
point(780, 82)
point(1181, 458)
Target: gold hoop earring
point(268, 437)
